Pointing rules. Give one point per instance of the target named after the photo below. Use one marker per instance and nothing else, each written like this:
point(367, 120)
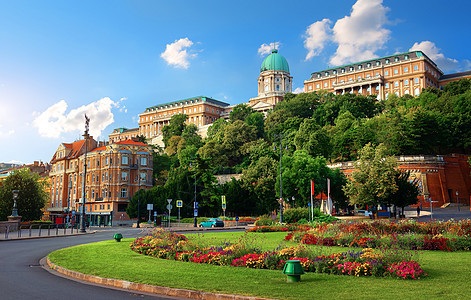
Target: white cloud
point(298, 90)
point(54, 121)
point(317, 34)
point(444, 63)
point(266, 48)
point(176, 54)
point(358, 35)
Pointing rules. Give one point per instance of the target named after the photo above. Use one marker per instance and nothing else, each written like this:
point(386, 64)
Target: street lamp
point(14, 212)
point(457, 199)
point(85, 136)
point(194, 202)
point(138, 188)
point(294, 203)
point(280, 136)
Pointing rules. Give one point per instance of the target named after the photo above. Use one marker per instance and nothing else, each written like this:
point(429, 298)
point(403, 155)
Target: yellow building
point(123, 134)
point(400, 74)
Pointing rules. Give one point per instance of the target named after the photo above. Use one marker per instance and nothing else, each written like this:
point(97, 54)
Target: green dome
point(274, 61)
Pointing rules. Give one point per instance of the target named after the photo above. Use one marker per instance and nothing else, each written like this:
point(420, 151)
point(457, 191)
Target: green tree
point(175, 127)
point(407, 191)
point(312, 138)
point(374, 181)
point(31, 198)
point(240, 112)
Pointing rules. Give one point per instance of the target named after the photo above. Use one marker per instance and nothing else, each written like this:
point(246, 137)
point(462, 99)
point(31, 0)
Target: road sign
point(237, 219)
point(223, 197)
point(169, 201)
point(155, 214)
point(169, 206)
point(150, 206)
point(224, 206)
point(196, 205)
point(179, 203)
point(195, 212)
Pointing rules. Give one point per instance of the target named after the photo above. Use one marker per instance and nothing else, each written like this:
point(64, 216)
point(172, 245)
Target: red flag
point(312, 187)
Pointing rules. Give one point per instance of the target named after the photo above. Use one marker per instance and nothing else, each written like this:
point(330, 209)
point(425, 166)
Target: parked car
point(212, 223)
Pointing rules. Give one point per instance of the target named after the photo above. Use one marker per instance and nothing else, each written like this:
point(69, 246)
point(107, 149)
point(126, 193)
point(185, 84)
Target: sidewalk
point(25, 234)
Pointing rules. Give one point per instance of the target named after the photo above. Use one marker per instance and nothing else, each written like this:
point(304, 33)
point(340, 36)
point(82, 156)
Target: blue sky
point(112, 59)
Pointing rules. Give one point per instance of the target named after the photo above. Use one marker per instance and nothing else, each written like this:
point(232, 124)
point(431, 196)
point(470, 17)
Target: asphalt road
point(21, 276)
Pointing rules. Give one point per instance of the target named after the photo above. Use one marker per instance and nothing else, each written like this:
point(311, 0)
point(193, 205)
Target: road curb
point(146, 288)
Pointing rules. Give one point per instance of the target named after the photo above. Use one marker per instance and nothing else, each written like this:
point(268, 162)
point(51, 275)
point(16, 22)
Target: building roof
point(274, 62)
point(123, 130)
point(131, 142)
point(187, 101)
point(456, 75)
point(74, 152)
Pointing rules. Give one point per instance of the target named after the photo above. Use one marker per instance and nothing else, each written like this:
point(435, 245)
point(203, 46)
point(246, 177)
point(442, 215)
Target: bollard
point(293, 270)
point(117, 237)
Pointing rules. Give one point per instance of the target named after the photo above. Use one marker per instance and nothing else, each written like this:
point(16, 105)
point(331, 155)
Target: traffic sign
point(196, 205)
point(237, 219)
point(223, 197)
point(169, 206)
point(169, 201)
point(179, 203)
point(150, 206)
point(155, 214)
point(224, 206)
point(196, 212)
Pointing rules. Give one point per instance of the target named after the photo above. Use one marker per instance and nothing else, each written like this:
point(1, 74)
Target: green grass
point(449, 273)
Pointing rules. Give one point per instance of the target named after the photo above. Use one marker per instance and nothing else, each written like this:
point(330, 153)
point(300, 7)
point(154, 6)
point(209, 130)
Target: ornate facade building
point(123, 134)
point(115, 172)
point(401, 74)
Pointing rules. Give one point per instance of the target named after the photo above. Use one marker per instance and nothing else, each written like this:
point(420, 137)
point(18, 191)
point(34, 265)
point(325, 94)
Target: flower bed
point(279, 228)
point(442, 236)
point(366, 262)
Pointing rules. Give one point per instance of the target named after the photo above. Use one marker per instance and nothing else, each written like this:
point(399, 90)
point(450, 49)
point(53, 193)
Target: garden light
point(293, 270)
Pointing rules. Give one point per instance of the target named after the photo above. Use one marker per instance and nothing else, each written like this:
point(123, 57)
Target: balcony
point(358, 82)
point(133, 166)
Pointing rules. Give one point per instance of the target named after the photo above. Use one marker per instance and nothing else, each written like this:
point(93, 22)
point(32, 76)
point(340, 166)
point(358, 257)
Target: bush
point(264, 220)
point(293, 215)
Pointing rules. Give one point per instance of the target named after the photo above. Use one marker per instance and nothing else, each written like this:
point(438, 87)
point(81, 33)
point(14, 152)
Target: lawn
point(449, 273)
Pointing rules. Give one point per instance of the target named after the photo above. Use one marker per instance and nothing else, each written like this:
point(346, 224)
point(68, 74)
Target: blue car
point(212, 223)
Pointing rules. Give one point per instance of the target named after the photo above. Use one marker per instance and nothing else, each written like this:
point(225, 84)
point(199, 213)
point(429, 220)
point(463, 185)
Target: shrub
point(293, 215)
point(264, 220)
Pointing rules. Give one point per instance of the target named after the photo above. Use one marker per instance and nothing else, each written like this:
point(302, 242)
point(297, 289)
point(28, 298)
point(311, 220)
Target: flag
point(312, 188)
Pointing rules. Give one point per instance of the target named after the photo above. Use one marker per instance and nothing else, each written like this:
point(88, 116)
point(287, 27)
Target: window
point(143, 177)
point(105, 193)
point(359, 77)
point(95, 207)
point(378, 63)
point(124, 193)
point(396, 71)
point(416, 92)
point(310, 87)
point(325, 84)
point(406, 92)
point(124, 176)
point(386, 85)
point(350, 69)
point(93, 178)
point(406, 56)
point(360, 67)
point(326, 74)
point(278, 80)
point(368, 75)
point(334, 72)
point(386, 73)
point(343, 70)
point(416, 80)
point(406, 82)
point(406, 69)
point(387, 61)
point(368, 65)
point(124, 160)
point(376, 74)
point(377, 87)
point(143, 161)
point(387, 95)
point(318, 75)
point(93, 194)
point(396, 59)
point(317, 86)
point(108, 206)
point(416, 67)
point(396, 83)
point(277, 87)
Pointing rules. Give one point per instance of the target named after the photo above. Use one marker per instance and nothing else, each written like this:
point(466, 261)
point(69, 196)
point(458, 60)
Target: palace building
point(401, 74)
point(115, 172)
point(123, 134)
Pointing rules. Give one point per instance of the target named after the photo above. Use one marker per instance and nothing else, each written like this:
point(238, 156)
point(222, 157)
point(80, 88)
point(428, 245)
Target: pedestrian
point(418, 211)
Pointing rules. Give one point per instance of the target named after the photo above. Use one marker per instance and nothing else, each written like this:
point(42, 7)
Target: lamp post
point(457, 199)
point(14, 212)
point(138, 187)
point(294, 203)
point(83, 215)
point(280, 136)
point(194, 202)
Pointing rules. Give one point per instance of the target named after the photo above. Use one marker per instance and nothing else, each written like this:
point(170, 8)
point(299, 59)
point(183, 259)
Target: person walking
point(418, 211)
